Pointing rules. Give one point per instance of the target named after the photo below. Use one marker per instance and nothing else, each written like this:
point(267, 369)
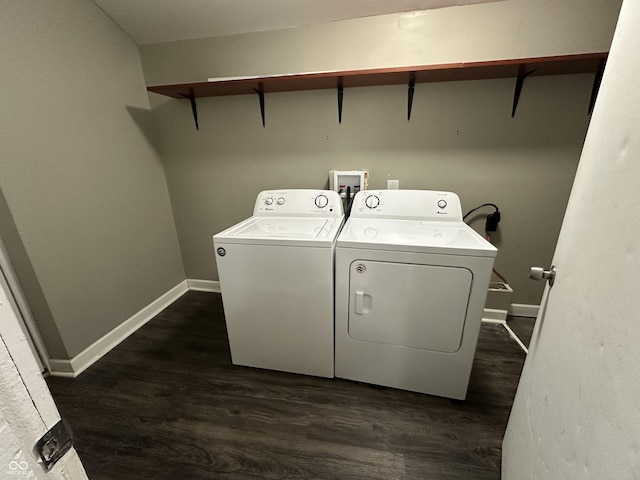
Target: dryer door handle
point(363, 303)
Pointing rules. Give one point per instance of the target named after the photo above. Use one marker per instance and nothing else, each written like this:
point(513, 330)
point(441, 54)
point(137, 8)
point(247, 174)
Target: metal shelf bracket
point(516, 95)
point(340, 97)
point(412, 84)
point(596, 86)
point(261, 98)
point(194, 108)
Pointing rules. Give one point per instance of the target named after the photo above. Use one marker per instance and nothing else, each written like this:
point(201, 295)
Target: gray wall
point(85, 214)
point(491, 31)
point(84, 210)
point(461, 136)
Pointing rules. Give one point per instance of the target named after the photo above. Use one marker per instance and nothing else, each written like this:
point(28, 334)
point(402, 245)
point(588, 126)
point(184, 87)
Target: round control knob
point(442, 203)
point(280, 201)
point(321, 201)
point(372, 201)
point(268, 201)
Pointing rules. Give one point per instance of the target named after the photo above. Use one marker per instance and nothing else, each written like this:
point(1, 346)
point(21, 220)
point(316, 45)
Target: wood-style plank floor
point(168, 404)
point(522, 327)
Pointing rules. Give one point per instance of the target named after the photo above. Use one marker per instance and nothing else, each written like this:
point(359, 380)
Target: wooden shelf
point(388, 76)
point(516, 68)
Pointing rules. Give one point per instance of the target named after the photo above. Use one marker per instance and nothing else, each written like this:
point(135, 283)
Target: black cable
point(479, 207)
point(492, 222)
point(347, 212)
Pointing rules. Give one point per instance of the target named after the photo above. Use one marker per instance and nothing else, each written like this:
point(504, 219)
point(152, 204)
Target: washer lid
point(414, 236)
point(292, 231)
point(283, 227)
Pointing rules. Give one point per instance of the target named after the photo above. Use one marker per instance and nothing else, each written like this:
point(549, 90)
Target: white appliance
point(411, 283)
point(276, 273)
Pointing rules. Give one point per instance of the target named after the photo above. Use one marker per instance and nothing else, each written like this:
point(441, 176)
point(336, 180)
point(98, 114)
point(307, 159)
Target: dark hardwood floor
point(168, 404)
point(522, 327)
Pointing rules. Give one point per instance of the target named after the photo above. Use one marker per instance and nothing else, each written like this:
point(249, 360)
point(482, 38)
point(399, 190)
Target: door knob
point(538, 273)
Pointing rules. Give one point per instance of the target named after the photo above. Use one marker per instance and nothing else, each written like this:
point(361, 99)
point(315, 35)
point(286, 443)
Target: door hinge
point(55, 443)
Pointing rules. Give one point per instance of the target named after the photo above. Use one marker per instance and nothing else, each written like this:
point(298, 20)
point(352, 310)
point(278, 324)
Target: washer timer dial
point(321, 201)
point(372, 201)
point(268, 201)
point(442, 203)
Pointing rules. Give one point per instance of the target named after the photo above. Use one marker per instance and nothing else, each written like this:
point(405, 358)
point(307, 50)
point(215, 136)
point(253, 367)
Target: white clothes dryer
point(411, 283)
point(276, 273)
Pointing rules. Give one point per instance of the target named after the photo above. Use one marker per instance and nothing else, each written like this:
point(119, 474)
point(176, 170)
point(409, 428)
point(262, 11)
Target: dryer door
point(419, 306)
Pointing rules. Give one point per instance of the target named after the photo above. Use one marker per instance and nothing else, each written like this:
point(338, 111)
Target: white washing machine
point(276, 273)
point(411, 283)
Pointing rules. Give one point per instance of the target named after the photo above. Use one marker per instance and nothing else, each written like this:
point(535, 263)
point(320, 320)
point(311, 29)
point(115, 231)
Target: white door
point(576, 413)
point(27, 410)
point(23, 312)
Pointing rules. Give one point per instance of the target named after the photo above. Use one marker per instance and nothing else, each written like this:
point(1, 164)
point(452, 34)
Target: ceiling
point(156, 21)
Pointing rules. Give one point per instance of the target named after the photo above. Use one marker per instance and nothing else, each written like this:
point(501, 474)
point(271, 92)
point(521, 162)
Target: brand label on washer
point(221, 251)
point(361, 268)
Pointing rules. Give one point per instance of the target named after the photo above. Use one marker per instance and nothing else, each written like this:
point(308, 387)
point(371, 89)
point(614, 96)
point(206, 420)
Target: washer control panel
point(298, 203)
point(426, 205)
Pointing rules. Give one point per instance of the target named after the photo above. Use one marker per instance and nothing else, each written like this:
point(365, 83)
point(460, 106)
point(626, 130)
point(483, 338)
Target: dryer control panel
point(298, 203)
point(425, 205)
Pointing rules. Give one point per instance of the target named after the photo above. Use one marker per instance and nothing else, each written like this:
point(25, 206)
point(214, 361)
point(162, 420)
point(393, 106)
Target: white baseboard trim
point(78, 364)
point(60, 368)
point(95, 351)
point(499, 317)
point(204, 285)
point(492, 315)
point(523, 310)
